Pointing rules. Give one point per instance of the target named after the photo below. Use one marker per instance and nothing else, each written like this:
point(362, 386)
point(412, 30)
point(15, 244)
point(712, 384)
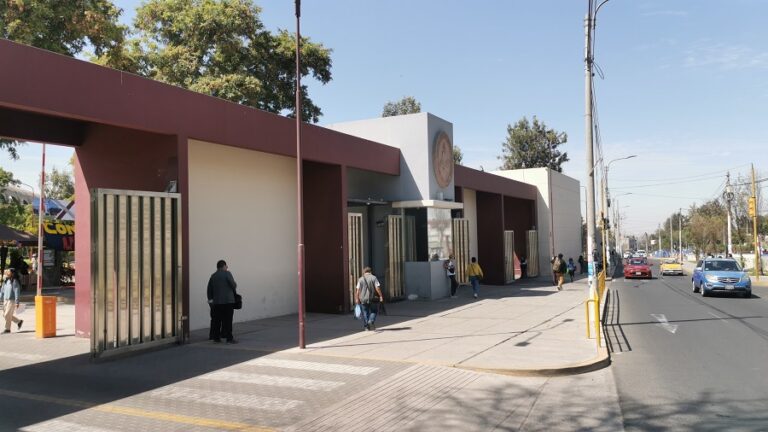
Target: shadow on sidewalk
point(46, 390)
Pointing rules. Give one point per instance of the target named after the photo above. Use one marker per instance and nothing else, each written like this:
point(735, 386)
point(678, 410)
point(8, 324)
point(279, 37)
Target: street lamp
point(606, 249)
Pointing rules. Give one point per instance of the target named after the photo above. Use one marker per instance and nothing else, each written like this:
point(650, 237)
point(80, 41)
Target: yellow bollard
point(596, 301)
point(45, 316)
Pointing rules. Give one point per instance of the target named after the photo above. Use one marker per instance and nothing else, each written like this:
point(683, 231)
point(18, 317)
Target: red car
point(637, 268)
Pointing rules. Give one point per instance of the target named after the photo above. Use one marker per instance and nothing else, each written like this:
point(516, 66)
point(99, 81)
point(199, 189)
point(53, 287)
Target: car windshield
point(721, 266)
point(637, 262)
point(672, 262)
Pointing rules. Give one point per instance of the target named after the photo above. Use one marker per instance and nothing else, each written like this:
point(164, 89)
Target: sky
point(681, 83)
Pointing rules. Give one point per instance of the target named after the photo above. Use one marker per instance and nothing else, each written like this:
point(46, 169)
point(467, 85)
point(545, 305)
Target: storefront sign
point(59, 235)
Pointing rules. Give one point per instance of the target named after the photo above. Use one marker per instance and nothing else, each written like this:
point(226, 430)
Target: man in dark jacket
point(221, 294)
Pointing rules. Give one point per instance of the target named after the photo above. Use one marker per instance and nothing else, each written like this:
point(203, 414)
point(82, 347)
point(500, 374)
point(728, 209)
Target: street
point(683, 362)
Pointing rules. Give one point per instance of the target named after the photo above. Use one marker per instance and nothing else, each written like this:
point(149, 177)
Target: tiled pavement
point(258, 385)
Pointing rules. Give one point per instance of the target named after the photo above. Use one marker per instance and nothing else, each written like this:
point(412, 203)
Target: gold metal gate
point(355, 245)
point(461, 249)
point(135, 270)
point(533, 254)
point(509, 257)
point(395, 257)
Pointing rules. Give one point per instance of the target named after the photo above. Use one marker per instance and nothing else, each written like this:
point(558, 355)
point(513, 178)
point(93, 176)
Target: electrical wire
point(684, 177)
point(667, 183)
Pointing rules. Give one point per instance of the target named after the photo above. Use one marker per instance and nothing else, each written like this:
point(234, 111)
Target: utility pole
point(671, 246)
point(753, 213)
point(589, 148)
point(680, 233)
point(728, 199)
point(299, 183)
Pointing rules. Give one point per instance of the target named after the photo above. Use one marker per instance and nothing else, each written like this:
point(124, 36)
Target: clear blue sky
point(684, 85)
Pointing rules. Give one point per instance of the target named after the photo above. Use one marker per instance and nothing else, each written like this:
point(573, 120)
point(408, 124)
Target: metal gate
point(461, 249)
point(135, 270)
point(355, 245)
point(509, 257)
point(395, 257)
point(533, 254)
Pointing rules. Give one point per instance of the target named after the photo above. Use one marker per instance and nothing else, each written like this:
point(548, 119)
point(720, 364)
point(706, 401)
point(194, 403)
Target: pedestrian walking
point(475, 274)
point(581, 264)
point(368, 287)
point(221, 295)
point(571, 268)
point(558, 269)
point(10, 295)
point(450, 270)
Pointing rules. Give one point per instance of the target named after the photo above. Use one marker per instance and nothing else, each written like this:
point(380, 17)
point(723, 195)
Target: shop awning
point(9, 234)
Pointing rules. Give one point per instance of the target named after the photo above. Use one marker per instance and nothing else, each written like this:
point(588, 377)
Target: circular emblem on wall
point(442, 160)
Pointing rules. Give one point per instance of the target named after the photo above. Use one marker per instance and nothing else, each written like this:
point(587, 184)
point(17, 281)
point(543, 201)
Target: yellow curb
point(602, 360)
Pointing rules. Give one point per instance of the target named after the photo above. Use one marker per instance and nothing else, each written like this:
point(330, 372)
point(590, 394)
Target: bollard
point(45, 316)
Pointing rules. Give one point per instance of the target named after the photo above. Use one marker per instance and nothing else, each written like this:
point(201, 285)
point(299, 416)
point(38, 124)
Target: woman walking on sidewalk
point(10, 296)
point(475, 274)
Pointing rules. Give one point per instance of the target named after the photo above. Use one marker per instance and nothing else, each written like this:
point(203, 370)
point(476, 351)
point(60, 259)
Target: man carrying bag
point(368, 287)
point(222, 297)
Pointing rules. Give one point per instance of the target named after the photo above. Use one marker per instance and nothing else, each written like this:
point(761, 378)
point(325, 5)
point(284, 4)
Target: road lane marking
point(22, 356)
point(313, 366)
point(715, 315)
point(136, 412)
point(225, 398)
point(272, 380)
point(664, 323)
point(62, 426)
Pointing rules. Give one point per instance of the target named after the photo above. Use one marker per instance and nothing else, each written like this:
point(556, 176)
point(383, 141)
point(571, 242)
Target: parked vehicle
point(641, 253)
point(671, 267)
point(637, 268)
point(713, 275)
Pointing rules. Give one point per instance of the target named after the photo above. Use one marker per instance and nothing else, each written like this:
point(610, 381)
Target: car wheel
point(748, 294)
point(704, 292)
point(693, 285)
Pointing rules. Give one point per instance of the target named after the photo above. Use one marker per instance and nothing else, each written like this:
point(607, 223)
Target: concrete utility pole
point(671, 243)
point(680, 233)
point(728, 199)
point(589, 148)
point(753, 213)
point(40, 234)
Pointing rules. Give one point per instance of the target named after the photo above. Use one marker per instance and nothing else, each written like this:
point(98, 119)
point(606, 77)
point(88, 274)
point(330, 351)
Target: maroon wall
point(490, 236)
point(519, 217)
point(112, 157)
point(324, 250)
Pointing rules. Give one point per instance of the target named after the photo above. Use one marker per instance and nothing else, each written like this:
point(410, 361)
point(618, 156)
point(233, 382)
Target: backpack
point(558, 266)
point(367, 289)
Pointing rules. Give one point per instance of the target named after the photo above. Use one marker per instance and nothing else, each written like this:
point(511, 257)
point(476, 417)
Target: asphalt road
point(684, 362)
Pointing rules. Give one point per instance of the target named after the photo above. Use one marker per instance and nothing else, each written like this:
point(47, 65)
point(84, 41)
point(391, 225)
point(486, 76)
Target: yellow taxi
point(671, 267)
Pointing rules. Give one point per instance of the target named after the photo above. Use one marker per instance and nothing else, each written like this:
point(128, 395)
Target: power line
point(683, 178)
point(668, 183)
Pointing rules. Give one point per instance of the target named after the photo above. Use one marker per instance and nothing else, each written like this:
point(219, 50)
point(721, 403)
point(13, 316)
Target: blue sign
point(591, 269)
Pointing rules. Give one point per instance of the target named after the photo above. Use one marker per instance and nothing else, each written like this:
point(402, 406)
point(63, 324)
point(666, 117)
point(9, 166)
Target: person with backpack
point(450, 271)
point(571, 268)
point(558, 269)
point(368, 287)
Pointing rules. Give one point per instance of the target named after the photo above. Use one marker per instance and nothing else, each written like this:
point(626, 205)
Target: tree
point(458, 156)
point(406, 105)
point(12, 212)
point(59, 185)
point(221, 48)
point(532, 145)
point(64, 27)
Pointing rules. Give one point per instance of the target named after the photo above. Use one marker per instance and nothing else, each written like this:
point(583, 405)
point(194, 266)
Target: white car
point(641, 253)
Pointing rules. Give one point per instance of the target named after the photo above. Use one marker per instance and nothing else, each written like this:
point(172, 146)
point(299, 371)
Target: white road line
point(21, 356)
point(715, 315)
point(62, 426)
point(313, 366)
point(272, 380)
point(663, 323)
point(224, 398)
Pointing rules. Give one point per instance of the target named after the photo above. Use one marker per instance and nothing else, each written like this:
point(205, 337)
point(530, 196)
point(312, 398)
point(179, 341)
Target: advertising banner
point(59, 235)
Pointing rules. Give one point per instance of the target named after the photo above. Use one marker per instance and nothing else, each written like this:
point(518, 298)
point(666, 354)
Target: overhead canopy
point(13, 235)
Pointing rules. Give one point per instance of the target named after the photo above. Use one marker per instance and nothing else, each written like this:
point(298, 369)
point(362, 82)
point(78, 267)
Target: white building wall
point(470, 213)
point(242, 208)
point(563, 213)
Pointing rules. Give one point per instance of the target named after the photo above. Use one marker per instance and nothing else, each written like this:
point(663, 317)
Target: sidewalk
point(527, 328)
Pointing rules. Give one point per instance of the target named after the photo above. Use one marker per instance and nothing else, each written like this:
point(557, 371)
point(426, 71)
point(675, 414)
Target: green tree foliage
point(64, 27)
point(12, 212)
point(59, 185)
point(406, 105)
point(533, 145)
point(221, 48)
point(458, 156)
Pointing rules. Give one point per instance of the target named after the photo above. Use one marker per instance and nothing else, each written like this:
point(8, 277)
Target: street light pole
point(299, 191)
point(589, 148)
point(680, 233)
point(40, 212)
